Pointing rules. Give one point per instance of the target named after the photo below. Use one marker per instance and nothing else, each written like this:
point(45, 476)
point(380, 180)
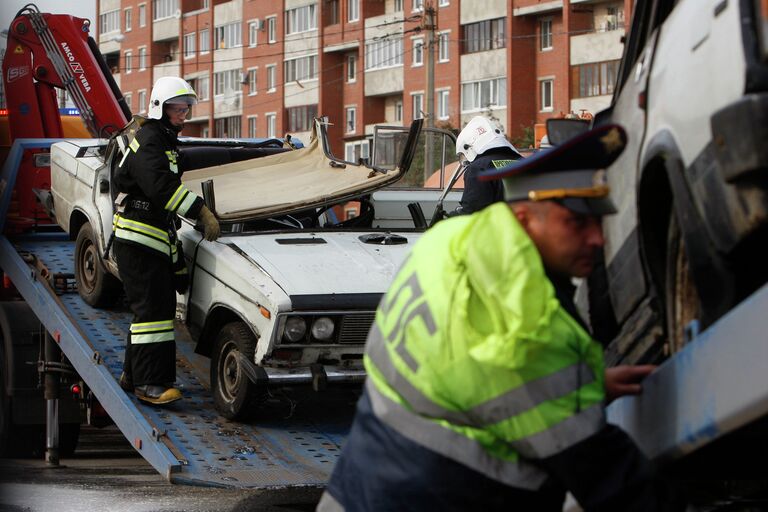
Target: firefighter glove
point(211, 229)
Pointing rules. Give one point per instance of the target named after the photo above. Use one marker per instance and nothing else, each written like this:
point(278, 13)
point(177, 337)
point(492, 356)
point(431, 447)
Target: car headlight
point(322, 328)
point(295, 329)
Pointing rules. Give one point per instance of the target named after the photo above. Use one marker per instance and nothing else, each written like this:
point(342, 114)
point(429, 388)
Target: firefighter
point(481, 145)
point(485, 391)
point(151, 267)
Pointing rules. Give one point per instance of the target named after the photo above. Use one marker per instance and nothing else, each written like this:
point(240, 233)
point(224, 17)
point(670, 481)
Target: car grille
point(355, 327)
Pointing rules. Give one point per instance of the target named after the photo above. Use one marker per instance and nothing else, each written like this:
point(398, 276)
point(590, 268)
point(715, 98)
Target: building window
point(302, 68)
point(331, 10)
point(595, 79)
point(418, 105)
point(545, 35)
point(398, 5)
point(351, 117)
point(271, 125)
point(418, 52)
point(271, 78)
point(354, 151)
point(300, 118)
point(418, 5)
point(227, 82)
point(399, 111)
point(253, 33)
point(128, 19)
point(384, 53)
point(442, 104)
point(162, 9)
point(483, 94)
point(485, 35)
point(546, 95)
point(205, 132)
point(142, 101)
point(189, 45)
point(353, 10)
point(128, 97)
point(206, 4)
point(142, 15)
point(205, 41)
point(228, 36)
point(272, 29)
point(227, 127)
point(252, 126)
point(142, 58)
point(351, 68)
point(109, 21)
point(203, 88)
point(301, 19)
point(252, 83)
point(443, 3)
point(614, 18)
point(443, 49)
point(128, 62)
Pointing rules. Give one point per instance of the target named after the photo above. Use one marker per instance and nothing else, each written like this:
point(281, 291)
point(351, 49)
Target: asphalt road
point(106, 474)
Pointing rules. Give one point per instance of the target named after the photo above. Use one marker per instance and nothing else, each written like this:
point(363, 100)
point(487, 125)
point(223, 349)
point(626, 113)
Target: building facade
point(264, 69)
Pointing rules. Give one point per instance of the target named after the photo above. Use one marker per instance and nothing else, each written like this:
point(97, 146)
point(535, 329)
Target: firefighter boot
point(157, 394)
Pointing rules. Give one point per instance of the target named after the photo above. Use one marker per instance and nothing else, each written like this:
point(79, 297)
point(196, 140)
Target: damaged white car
point(287, 294)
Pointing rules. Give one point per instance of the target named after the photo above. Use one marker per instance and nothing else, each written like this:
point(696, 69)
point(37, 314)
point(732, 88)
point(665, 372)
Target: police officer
point(148, 259)
point(484, 390)
point(481, 146)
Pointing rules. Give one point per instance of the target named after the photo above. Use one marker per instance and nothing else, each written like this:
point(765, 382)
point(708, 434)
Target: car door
point(434, 162)
point(628, 283)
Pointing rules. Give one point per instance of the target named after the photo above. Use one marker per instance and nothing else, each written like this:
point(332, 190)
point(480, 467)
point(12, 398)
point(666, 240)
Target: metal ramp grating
point(294, 440)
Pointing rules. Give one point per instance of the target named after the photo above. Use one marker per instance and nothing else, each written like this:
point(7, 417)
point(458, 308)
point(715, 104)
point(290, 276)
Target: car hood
point(326, 263)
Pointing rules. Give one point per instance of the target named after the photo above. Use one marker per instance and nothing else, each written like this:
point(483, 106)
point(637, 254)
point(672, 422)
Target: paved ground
point(106, 474)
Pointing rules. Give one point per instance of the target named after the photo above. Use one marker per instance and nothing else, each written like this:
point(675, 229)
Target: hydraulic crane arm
point(49, 51)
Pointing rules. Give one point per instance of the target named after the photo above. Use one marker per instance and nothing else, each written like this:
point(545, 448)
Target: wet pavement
point(106, 474)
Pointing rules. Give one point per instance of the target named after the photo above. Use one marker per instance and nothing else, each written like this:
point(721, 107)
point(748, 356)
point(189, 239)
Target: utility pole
point(430, 25)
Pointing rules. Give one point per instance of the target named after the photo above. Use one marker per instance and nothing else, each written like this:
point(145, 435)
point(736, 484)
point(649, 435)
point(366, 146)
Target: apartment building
point(268, 68)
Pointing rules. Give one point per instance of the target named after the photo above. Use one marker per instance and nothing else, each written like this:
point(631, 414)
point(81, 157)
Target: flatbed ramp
point(294, 440)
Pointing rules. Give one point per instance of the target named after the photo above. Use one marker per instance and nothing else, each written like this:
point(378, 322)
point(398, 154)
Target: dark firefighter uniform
point(148, 259)
point(484, 392)
point(479, 194)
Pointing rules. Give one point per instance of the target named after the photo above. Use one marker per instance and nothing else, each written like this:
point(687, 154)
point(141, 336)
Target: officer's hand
point(625, 380)
point(211, 229)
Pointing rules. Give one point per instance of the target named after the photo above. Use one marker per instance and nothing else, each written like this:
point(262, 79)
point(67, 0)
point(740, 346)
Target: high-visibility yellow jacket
point(473, 357)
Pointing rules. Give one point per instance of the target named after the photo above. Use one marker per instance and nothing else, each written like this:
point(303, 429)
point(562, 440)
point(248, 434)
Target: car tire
point(95, 285)
point(235, 394)
point(682, 303)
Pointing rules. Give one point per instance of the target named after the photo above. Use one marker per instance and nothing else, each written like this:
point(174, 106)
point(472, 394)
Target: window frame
point(353, 5)
point(142, 58)
point(542, 83)
point(128, 59)
point(271, 120)
point(188, 54)
point(443, 43)
point(494, 93)
point(253, 34)
point(271, 29)
point(205, 37)
point(546, 42)
point(271, 78)
point(143, 105)
point(142, 15)
point(253, 81)
point(417, 113)
point(351, 68)
point(443, 104)
point(350, 114)
point(128, 19)
point(417, 54)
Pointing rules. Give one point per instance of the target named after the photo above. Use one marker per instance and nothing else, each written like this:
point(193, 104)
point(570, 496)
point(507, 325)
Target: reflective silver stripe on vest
point(562, 435)
point(450, 444)
point(328, 504)
point(500, 408)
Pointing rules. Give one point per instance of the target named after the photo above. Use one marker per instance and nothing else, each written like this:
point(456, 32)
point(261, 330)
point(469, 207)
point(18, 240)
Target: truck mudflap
point(287, 445)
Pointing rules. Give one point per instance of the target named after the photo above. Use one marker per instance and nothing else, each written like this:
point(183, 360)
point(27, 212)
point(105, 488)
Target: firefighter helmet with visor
point(479, 136)
point(170, 90)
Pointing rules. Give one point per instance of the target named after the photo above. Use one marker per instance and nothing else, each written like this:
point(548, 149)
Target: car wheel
point(683, 305)
point(235, 394)
point(95, 285)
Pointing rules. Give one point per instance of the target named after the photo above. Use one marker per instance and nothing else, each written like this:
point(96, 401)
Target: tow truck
point(51, 339)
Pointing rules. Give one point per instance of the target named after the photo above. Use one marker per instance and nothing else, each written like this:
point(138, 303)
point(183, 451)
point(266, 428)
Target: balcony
point(171, 68)
point(535, 7)
point(384, 81)
point(228, 105)
point(166, 29)
point(596, 47)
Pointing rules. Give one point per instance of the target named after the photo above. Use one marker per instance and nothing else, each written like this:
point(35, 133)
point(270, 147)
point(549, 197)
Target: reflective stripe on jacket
point(150, 175)
point(472, 356)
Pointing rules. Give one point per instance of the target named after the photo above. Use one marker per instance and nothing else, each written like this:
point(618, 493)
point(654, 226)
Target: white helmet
point(479, 136)
point(170, 89)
